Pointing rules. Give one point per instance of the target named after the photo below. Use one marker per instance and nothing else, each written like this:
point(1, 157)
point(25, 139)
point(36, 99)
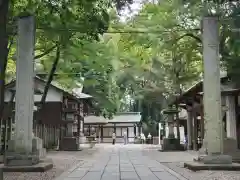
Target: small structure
point(59, 122)
point(171, 143)
point(121, 122)
point(192, 101)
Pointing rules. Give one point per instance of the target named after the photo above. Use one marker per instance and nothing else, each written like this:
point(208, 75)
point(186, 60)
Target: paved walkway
point(119, 162)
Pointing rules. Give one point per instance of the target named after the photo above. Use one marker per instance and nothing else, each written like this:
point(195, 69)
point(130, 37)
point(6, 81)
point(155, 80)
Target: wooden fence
point(50, 134)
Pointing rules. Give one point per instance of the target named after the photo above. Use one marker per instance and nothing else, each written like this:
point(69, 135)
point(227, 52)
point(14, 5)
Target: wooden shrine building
point(59, 122)
point(192, 101)
point(128, 122)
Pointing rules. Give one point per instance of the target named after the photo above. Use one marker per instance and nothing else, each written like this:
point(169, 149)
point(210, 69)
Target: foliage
point(137, 71)
point(137, 65)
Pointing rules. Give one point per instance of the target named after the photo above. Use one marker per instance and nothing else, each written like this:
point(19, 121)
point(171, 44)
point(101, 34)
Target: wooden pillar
point(202, 122)
point(134, 130)
point(101, 133)
point(231, 118)
point(190, 127)
point(195, 130)
point(89, 130)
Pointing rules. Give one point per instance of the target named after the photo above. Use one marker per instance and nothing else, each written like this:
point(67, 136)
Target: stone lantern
point(171, 142)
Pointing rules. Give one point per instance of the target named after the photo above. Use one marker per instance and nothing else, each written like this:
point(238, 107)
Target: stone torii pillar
point(213, 157)
point(20, 148)
point(25, 150)
point(212, 93)
point(25, 84)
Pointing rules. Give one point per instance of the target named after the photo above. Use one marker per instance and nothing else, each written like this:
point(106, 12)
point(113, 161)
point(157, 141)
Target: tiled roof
point(75, 93)
point(128, 117)
point(95, 120)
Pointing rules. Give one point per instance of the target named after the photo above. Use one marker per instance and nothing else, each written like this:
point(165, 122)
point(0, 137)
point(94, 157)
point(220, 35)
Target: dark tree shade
point(122, 3)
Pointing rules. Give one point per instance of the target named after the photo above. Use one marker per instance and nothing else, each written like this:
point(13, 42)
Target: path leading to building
point(137, 162)
point(130, 162)
point(120, 162)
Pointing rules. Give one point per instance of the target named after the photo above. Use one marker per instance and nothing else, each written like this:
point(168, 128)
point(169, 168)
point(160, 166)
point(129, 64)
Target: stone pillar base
point(217, 159)
point(14, 157)
point(229, 149)
point(18, 159)
point(70, 144)
point(172, 144)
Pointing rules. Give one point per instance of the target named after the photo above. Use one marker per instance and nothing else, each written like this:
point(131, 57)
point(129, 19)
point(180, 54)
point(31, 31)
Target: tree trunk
point(48, 83)
point(50, 78)
point(4, 4)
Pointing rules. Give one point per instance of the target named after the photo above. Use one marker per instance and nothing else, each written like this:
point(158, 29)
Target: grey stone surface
point(129, 176)
point(131, 162)
point(78, 173)
point(217, 159)
point(110, 176)
point(197, 166)
point(148, 164)
point(156, 169)
point(165, 175)
point(92, 176)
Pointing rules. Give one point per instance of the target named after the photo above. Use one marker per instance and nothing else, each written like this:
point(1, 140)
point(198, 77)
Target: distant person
point(199, 142)
point(185, 142)
point(113, 138)
point(149, 138)
point(142, 138)
point(125, 137)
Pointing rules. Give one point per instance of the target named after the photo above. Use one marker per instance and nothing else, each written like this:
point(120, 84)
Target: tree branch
point(45, 53)
point(190, 35)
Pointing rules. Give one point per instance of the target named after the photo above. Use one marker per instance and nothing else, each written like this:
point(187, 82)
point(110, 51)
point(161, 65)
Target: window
point(70, 116)
point(124, 130)
point(131, 131)
point(107, 132)
point(118, 131)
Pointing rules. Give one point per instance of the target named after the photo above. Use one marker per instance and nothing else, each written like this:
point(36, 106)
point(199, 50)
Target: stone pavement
point(119, 162)
point(140, 162)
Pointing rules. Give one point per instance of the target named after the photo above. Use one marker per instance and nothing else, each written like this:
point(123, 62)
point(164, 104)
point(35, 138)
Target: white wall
point(52, 96)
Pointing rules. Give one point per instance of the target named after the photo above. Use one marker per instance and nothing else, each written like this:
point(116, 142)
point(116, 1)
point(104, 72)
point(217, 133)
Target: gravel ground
point(175, 161)
point(62, 161)
point(203, 175)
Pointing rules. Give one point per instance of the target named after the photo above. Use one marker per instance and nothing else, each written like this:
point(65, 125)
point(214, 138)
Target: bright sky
point(135, 7)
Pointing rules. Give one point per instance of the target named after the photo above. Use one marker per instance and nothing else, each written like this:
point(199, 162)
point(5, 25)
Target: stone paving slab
point(110, 176)
point(129, 176)
point(133, 162)
point(120, 164)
